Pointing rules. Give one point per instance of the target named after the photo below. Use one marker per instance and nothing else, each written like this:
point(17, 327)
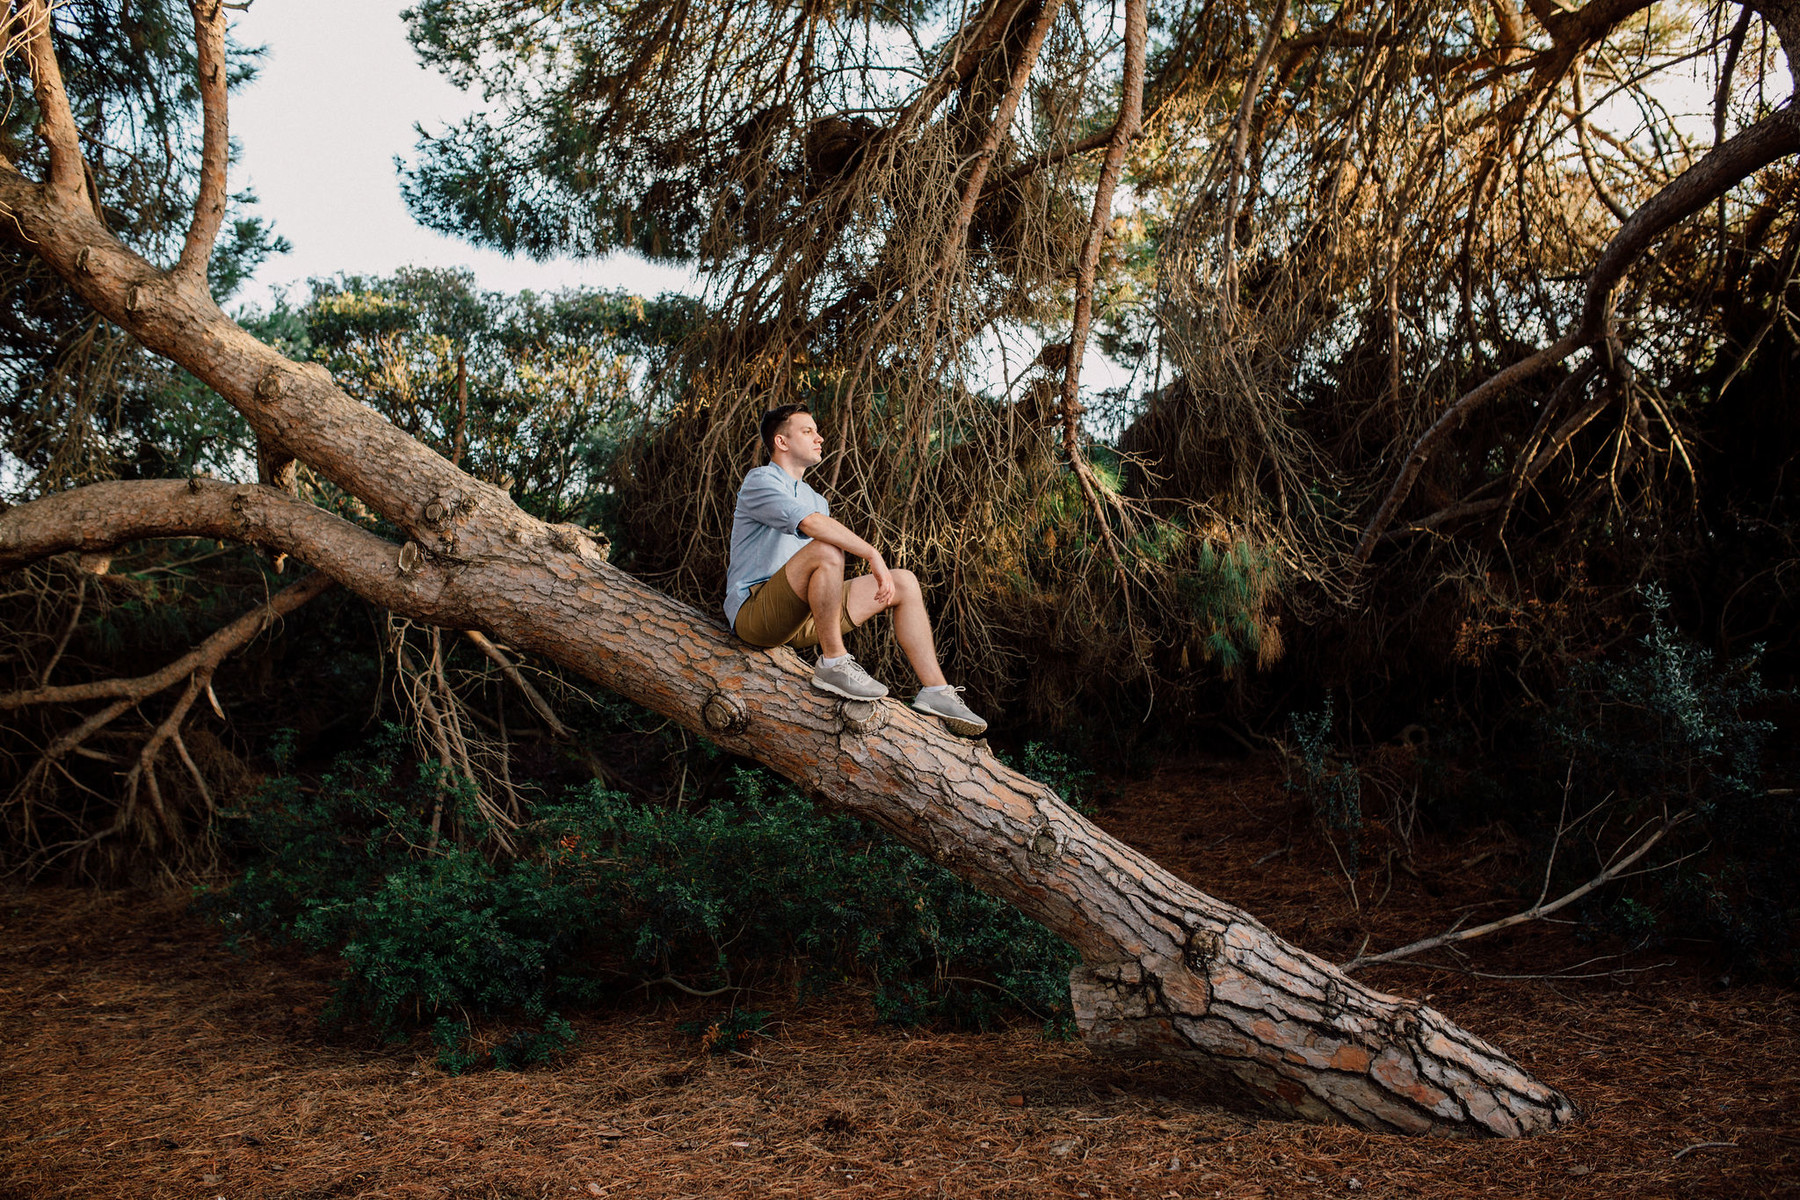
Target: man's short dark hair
point(775, 418)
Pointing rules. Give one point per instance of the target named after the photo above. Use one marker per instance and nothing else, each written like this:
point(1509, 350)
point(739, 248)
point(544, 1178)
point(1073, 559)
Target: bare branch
point(215, 146)
point(990, 145)
point(1239, 140)
point(1131, 110)
point(1617, 866)
point(1769, 140)
point(68, 170)
point(532, 696)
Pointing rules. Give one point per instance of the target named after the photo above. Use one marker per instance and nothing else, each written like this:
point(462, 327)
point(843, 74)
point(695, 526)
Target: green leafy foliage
point(533, 393)
point(1667, 727)
point(757, 889)
point(730, 1030)
point(1330, 785)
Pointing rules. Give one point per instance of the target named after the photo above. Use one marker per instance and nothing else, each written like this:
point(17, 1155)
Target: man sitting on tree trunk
point(785, 583)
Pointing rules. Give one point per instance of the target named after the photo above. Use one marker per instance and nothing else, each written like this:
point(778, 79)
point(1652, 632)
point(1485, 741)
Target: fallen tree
point(1166, 969)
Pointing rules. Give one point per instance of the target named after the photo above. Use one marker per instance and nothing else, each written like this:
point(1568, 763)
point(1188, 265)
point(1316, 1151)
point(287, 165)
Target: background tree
point(79, 399)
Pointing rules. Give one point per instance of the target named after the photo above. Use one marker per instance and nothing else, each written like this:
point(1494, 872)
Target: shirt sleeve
point(766, 502)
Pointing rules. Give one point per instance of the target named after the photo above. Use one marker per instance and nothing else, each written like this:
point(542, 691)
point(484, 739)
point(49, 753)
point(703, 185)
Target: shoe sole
point(838, 691)
point(955, 724)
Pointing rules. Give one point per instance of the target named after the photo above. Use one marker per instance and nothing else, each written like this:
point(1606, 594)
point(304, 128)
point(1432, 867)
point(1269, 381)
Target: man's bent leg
point(912, 629)
point(912, 624)
point(816, 573)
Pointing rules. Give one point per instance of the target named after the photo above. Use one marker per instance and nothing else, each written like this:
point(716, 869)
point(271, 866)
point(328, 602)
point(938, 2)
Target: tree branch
point(1537, 912)
point(1239, 138)
point(68, 170)
point(215, 145)
point(532, 696)
point(204, 657)
point(1774, 137)
point(990, 145)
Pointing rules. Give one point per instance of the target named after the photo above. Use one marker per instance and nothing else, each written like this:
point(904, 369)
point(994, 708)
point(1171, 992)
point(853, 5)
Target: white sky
point(336, 99)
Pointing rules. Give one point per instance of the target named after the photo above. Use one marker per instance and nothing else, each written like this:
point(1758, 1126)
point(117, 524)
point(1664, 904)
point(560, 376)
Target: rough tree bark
point(1166, 969)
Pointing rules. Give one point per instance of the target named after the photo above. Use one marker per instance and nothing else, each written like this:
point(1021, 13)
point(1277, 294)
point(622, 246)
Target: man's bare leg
point(816, 572)
point(912, 624)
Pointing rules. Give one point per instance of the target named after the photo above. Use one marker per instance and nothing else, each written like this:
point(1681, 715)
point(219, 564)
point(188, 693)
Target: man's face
point(802, 440)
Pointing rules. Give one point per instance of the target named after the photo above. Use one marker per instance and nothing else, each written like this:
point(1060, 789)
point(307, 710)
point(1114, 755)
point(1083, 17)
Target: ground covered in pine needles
point(139, 1058)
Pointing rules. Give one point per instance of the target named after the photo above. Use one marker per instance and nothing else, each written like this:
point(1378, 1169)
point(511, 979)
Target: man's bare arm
point(836, 533)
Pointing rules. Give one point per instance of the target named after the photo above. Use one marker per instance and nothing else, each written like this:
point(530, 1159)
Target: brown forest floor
point(138, 1058)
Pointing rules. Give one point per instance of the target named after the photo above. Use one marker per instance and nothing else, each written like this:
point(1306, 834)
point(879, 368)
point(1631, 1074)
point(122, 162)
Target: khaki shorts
point(772, 615)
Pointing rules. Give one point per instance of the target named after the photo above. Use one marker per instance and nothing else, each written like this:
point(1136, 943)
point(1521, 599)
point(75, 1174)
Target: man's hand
point(884, 580)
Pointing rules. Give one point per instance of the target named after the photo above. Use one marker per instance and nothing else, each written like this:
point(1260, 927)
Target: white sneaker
point(947, 705)
point(849, 680)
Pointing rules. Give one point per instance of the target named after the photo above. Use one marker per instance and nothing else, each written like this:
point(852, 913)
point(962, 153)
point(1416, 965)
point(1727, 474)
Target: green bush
point(755, 887)
point(1664, 728)
point(1330, 786)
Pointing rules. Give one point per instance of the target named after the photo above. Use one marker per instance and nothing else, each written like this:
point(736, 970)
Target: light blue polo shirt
point(765, 530)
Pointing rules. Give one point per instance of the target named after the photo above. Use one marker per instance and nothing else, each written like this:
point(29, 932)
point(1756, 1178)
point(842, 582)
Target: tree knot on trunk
point(577, 540)
point(725, 713)
point(1043, 847)
point(1333, 1003)
point(411, 558)
point(1203, 946)
point(861, 716)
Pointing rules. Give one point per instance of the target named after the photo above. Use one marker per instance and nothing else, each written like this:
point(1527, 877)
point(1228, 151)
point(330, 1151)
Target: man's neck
point(789, 464)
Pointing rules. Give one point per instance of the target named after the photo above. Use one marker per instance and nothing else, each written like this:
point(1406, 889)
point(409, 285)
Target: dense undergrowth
point(745, 895)
point(1661, 739)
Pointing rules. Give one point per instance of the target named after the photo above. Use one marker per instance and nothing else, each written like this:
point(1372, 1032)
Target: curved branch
point(1131, 111)
point(1769, 140)
point(68, 172)
point(1239, 140)
point(990, 145)
point(215, 145)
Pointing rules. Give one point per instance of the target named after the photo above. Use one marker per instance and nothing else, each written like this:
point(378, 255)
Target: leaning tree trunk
point(1166, 969)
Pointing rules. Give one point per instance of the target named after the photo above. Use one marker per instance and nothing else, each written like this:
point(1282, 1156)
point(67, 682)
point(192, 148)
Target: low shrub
point(1667, 728)
point(754, 890)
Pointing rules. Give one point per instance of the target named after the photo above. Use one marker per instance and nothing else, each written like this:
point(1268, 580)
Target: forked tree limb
point(1771, 139)
point(1627, 857)
point(1166, 969)
point(204, 657)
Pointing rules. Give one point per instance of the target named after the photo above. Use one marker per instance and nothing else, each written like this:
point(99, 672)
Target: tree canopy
point(1405, 293)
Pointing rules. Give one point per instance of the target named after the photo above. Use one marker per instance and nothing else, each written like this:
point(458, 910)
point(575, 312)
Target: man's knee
point(816, 556)
point(906, 586)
